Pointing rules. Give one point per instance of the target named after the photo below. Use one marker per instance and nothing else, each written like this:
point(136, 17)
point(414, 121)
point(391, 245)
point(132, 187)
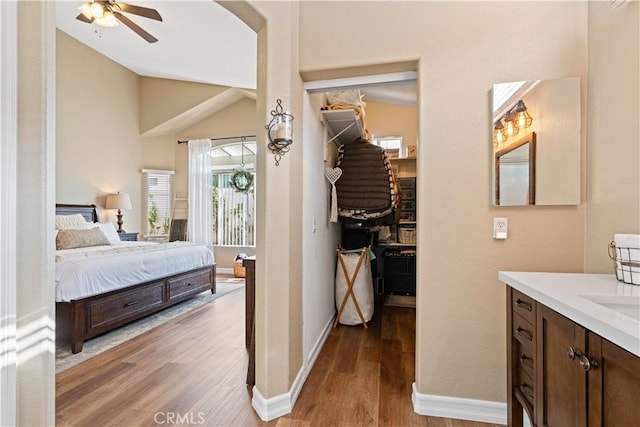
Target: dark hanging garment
point(366, 187)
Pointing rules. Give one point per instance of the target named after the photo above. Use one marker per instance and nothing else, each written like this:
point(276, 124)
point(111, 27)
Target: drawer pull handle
point(130, 303)
point(587, 364)
point(573, 353)
point(527, 389)
point(526, 361)
point(524, 304)
point(524, 333)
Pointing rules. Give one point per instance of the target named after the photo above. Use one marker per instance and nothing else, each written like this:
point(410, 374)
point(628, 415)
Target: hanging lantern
point(280, 131)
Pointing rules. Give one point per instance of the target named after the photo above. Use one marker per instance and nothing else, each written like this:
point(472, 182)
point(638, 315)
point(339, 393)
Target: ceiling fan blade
point(83, 18)
point(139, 10)
point(139, 31)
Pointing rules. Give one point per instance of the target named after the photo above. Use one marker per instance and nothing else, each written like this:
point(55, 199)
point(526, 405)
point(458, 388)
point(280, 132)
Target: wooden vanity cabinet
point(575, 378)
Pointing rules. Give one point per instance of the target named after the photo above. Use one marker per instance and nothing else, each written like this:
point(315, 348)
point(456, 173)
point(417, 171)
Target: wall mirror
point(536, 142)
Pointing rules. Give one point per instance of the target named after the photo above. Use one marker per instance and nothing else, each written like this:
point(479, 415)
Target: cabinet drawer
point(189, 284)
point(118, 308)
point(526, 357)
point(523, 305)
point(524, 332)
point(526, 388)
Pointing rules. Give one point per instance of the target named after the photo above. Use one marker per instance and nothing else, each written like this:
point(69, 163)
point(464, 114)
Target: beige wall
point(463, 48)
point(613, 147)
point(98, 149)
point(393, 120)
point(35, 169)
point(163, 99)
point(558, 126)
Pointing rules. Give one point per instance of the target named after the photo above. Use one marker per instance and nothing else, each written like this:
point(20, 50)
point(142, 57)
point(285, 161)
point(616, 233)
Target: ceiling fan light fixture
point(85, 9)
point(97, 9)
point(108, 20)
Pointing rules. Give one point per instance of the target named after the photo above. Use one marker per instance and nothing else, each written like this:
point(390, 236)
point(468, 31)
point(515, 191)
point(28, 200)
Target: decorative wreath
point(242, 180)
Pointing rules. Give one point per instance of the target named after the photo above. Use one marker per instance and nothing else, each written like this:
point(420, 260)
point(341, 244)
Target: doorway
point(391, 121)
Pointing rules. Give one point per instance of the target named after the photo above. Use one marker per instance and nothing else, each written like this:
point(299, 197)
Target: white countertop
point(563, 292)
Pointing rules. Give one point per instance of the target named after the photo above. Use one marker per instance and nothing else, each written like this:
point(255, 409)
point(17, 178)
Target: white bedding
point(84, 272)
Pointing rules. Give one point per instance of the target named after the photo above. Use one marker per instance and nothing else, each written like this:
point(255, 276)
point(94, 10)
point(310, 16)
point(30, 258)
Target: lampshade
point(118, 201)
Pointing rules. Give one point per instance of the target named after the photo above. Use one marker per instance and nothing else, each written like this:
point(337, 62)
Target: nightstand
point(128, 237)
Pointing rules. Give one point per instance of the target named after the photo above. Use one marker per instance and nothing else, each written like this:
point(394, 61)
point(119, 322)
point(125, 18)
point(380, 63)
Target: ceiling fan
point(108, 13)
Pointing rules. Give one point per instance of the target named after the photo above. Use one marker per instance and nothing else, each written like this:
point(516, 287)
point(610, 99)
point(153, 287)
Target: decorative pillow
point(109, 231)
point(72, 222)
point(70, 239)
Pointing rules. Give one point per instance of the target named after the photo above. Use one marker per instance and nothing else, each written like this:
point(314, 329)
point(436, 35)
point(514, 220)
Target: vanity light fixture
point(499, 133)
point(511, 124)
point(522, 116)
point(280, 131)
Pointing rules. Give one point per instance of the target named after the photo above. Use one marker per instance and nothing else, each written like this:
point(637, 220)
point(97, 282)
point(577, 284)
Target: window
point(157, 199)
point(234, 211)
point(388, 142)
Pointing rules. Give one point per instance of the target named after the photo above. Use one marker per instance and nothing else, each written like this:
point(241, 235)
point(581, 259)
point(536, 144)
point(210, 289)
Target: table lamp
point(118, 201)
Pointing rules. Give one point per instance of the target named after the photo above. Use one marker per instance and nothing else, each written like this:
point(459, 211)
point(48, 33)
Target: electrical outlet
point(500, 226)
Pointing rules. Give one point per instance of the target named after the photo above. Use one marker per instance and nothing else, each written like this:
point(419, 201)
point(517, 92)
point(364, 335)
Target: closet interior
point(370, 161)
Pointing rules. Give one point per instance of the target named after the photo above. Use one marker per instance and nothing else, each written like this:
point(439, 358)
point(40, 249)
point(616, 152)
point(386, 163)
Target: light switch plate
point(500, 226)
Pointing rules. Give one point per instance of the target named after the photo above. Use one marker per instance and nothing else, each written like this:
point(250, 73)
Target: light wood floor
point(192, 370)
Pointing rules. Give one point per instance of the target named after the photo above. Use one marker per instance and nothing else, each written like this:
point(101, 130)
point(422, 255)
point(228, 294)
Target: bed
point(102, 287)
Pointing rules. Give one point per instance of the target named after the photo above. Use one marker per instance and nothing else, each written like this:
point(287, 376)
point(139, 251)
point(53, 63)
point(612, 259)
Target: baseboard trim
point(459, 408)
point(224, 270)
point(315, 351)
point(268, 409)
point(277, 406)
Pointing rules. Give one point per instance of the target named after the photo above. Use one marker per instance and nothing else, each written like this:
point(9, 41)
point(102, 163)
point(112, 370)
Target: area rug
point(65, 359)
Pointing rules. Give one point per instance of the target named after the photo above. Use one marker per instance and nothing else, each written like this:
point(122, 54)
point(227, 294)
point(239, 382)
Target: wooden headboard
point(87, 211)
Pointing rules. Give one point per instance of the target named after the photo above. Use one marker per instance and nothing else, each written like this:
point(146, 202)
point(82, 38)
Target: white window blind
point(157, 198)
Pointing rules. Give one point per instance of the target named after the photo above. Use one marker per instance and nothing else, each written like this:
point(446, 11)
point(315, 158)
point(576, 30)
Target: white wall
point(320, 237)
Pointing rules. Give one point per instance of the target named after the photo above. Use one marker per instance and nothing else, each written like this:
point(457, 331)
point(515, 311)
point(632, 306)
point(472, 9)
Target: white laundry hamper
point(354, 287)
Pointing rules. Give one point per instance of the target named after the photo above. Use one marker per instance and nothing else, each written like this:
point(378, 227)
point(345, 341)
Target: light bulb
point(85, 9)
point(107, 20)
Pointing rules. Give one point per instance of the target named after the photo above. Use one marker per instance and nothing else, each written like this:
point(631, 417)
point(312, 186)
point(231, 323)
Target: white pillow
point(109, 230)
point(72, 222)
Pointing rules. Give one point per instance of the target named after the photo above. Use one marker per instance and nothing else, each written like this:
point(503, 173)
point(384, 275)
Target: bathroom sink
point(627, 305)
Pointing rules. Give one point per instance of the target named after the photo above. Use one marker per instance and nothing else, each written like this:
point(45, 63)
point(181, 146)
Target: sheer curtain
point(200, 196)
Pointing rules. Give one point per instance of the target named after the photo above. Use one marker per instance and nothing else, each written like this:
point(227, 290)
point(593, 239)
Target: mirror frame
point(531, 140)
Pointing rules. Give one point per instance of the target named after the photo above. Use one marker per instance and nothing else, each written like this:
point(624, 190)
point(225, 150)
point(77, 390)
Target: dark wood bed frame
point(85, 318)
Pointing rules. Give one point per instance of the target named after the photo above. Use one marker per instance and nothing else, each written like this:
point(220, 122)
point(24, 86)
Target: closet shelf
point(343, 126)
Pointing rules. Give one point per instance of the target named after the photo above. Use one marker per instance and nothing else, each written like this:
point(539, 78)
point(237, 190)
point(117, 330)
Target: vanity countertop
point(598, 302)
